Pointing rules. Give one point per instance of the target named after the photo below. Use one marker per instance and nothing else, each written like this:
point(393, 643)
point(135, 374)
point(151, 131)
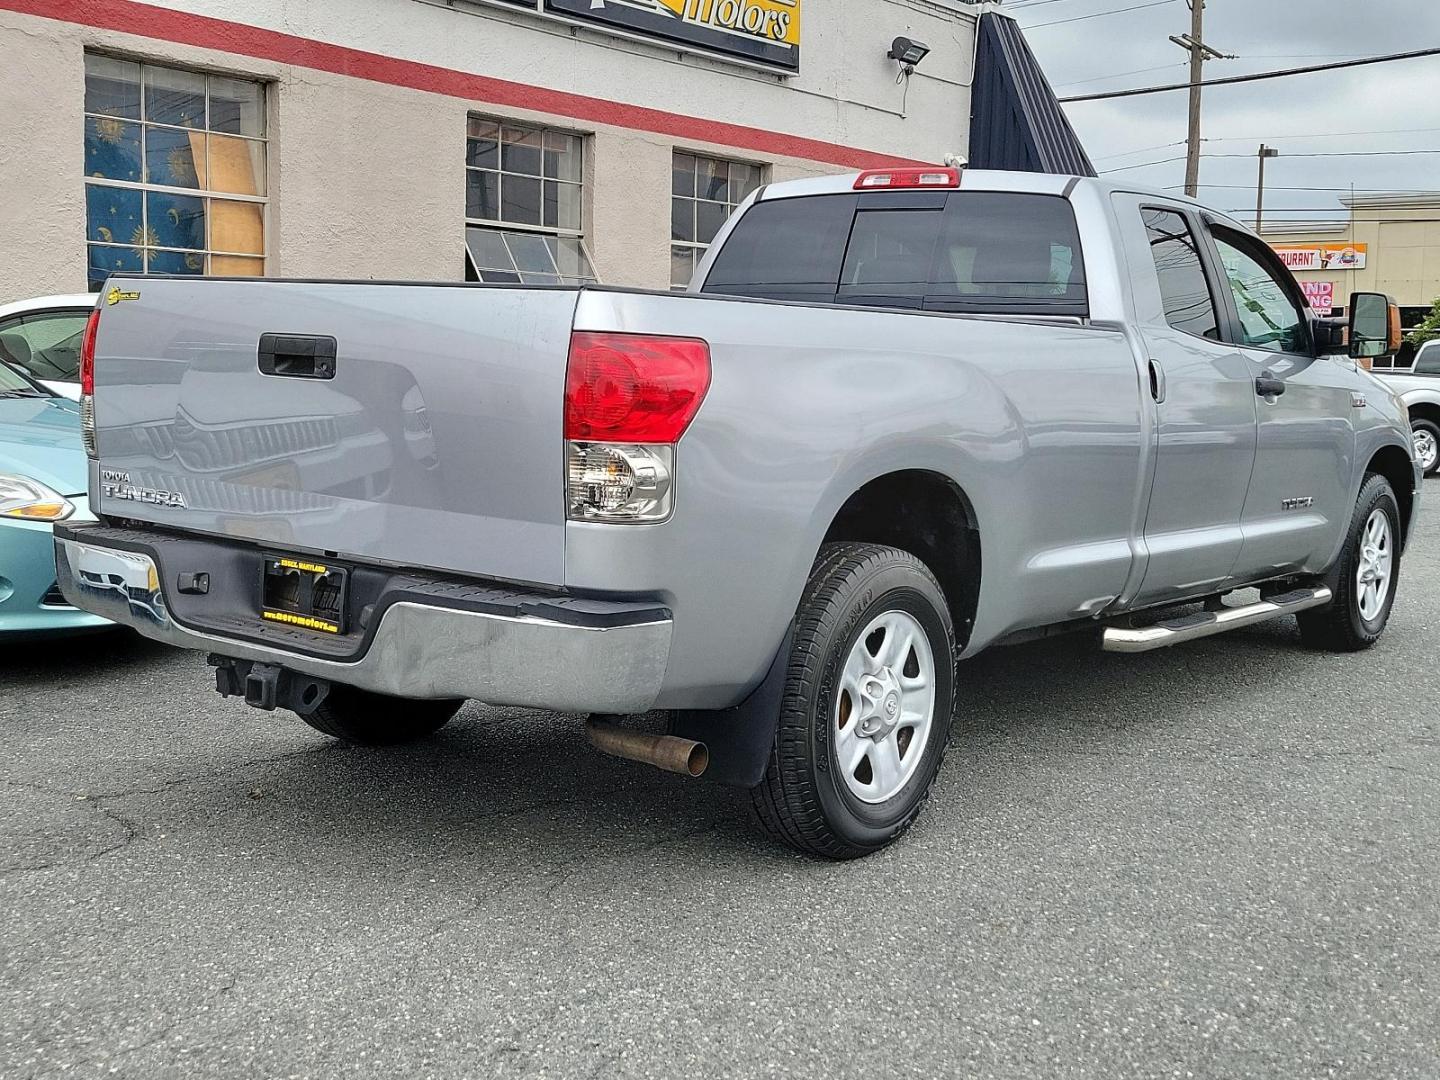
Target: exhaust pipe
point(683, 756)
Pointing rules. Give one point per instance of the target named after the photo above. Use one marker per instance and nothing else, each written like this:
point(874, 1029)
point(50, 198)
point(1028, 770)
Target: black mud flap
point(740, 738)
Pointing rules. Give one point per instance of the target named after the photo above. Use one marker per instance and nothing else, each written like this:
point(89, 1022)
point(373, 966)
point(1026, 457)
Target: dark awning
point(1015, 121)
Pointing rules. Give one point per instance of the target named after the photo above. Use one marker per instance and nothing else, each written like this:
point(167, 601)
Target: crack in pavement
point(132, 830)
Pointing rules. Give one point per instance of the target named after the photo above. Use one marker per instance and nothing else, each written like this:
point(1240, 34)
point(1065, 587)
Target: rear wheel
point(865, 716)
point(369, 719)
point(1426, 435)
point(1364, 579)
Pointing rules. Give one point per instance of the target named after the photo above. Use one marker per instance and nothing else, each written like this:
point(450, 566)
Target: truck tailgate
point(435, 441)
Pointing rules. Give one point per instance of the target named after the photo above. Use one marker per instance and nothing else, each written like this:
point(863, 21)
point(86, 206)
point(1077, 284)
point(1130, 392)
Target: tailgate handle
point(297, 356)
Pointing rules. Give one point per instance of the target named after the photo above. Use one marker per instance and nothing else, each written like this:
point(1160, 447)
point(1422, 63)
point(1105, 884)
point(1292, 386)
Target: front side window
point(46, 344)
point(524, 190)
point(174, 171)
point(1183, 288)
point(703, 193)
point(1270, 318)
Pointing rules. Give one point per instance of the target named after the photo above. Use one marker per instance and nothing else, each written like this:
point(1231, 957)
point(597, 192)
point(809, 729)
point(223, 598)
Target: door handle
point(297, 356)
point(1157, 380)
point(1267, 385)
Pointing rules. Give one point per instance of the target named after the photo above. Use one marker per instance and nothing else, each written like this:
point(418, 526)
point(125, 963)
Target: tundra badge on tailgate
point(115, 484)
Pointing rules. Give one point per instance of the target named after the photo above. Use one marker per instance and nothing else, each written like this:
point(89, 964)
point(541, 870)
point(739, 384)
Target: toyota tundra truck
point(896, 419)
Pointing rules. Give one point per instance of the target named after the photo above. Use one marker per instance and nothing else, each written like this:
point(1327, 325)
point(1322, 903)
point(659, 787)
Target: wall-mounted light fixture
point(907, 53)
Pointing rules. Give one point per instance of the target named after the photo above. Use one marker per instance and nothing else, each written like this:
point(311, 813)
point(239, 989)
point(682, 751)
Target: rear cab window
point(1180, 271)
point(957, 251)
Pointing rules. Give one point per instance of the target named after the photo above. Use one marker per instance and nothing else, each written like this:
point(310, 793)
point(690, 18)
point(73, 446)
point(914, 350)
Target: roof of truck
point(972, 180)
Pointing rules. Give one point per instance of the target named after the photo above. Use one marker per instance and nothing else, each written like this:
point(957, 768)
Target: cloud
point(1301, 114)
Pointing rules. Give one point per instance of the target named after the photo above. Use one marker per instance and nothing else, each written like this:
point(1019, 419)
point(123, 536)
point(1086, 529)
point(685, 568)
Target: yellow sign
point(774, 20)
point(760, 31)
point(114, 296)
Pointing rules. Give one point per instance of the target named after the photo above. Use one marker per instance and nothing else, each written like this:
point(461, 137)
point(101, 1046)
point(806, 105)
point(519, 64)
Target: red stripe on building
point(163, 24)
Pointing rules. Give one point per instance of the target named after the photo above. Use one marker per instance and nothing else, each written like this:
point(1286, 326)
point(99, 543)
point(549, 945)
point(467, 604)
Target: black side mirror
point(1374, 326)
point(1331, 336)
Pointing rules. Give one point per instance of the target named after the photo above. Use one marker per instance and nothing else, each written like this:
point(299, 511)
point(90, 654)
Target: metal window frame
point(500, 224)
point(696, 246)
point(205, 192)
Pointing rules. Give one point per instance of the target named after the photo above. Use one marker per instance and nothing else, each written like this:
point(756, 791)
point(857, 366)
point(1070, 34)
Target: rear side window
point(989, 252)
point(788, 249)
point(1183, 288)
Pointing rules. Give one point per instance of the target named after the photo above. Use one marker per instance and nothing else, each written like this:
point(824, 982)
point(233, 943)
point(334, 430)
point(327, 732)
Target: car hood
point(40, 438)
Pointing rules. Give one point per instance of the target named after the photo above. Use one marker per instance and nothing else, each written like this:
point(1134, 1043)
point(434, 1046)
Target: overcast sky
point(1292, 114)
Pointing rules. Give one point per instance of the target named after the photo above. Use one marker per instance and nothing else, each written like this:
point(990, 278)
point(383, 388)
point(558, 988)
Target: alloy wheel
point(885, 707)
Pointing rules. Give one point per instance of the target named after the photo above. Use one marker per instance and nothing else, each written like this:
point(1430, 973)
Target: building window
point(174, 171)
point(704, 192)
point(523, 194)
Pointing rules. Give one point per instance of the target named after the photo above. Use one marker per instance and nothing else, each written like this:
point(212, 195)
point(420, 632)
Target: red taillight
point(633, 388)
point(907, 178)
point(87, 353)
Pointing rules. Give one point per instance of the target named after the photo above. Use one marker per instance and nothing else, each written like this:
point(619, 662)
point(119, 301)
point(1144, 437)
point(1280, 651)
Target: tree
point(1429, 329)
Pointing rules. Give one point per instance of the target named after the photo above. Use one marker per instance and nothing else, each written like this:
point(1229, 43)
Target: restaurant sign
point(1322, 256)
point(759, 31)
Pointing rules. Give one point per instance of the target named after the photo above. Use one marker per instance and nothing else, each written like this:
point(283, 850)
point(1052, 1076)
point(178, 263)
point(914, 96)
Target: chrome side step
point(1204, 623)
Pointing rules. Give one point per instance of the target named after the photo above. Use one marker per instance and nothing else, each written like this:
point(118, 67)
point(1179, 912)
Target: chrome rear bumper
point(417, 651)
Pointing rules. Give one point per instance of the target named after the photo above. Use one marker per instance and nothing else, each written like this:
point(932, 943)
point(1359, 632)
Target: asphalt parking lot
point(1213, 861)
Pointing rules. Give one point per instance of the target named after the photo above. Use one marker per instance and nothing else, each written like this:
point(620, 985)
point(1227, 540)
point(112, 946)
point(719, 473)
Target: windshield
point(13, 383)
point(45, 343)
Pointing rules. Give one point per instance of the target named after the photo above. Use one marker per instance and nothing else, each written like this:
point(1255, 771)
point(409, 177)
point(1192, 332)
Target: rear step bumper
point(1204, 623)
point(418, 650)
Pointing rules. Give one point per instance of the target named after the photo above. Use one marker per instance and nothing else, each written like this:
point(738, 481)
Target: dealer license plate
point(301, 592)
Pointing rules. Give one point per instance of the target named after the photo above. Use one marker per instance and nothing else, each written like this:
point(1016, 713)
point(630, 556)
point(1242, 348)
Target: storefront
point(505, 140)
point(1391, 244)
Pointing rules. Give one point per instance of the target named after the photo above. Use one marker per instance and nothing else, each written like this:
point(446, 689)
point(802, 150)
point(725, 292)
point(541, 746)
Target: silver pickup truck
point(897, 418)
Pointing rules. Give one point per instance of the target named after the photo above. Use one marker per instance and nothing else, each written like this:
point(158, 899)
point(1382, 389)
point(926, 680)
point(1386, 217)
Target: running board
point(1204, 623)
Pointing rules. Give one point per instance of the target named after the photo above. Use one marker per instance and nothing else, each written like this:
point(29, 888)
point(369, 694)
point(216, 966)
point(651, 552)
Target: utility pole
point(1194, 44)
point(1265, 152)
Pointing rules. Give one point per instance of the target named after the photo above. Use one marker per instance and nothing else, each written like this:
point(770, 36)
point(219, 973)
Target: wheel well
point(927, 515)
point(1425, 410)
point(1394, 464)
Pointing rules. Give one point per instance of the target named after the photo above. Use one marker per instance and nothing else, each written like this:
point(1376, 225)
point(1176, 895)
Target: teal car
point(42, 481)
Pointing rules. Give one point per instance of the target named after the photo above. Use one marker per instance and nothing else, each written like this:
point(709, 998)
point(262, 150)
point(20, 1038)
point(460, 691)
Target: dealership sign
point(1322, 256)
point(1320, 295)
point(760, 31)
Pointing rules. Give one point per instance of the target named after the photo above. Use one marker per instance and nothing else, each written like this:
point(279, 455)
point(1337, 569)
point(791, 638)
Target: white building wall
point(366, 177)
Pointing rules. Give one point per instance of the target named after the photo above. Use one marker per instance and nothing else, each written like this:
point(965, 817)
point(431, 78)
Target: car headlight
point(22, 497)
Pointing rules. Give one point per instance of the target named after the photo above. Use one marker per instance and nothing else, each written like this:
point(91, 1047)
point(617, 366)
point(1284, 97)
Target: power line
point(1258, 76)
point(1317, 135)
point(1097, 14)
point(1141, 150)
point(1336, 153)
point(1282, 187)
point(1121, 74)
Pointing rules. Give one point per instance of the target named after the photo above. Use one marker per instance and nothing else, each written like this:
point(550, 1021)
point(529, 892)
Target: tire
point(364, 718)
point(1352, 621)
point(807, 799)
point(1427, 445)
